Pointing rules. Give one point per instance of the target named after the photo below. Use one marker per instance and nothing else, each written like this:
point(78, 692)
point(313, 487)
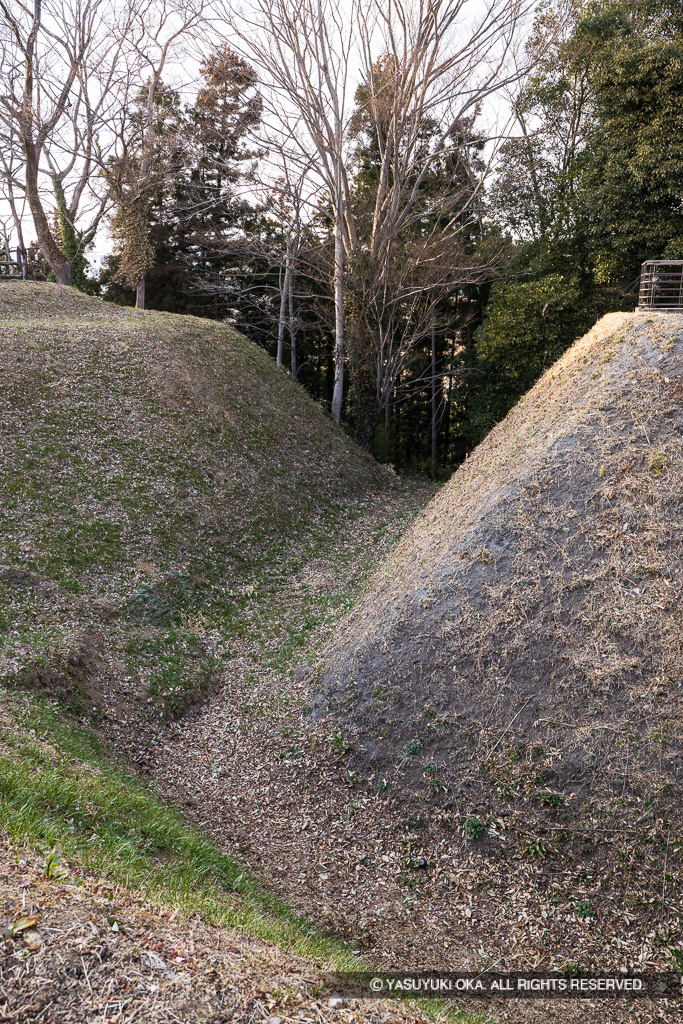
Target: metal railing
point(661, 285)
point(22, 265)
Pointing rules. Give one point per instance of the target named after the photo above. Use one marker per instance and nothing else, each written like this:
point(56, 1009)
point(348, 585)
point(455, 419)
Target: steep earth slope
point(150, 466)
point(100, 952)
point(521, 651)
point(430, 819)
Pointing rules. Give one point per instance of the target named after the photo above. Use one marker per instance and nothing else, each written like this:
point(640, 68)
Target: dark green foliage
point(72, 241)
point(160, 601)
point(591, 188)
point(632, 171)
point(584, 909)
point(474, 827)
point(527, 326)
point(550, 799)
point(193, 205)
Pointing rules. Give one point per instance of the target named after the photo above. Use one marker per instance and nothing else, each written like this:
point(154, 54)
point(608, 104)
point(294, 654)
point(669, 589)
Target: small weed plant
point(474, 827)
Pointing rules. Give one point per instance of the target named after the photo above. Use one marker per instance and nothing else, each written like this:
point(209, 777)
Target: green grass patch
point(58, 786)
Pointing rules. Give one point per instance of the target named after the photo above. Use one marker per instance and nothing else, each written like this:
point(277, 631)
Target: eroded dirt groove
point(492, 771)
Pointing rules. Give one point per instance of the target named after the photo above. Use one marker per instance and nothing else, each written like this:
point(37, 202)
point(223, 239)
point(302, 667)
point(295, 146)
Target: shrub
point(527, 326)
point(474, 827)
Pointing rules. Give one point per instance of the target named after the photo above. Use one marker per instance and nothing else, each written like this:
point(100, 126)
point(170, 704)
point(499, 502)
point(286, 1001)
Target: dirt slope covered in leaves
point(150, 466)
point(493, 860)
point(521, 650)
point(77, 949)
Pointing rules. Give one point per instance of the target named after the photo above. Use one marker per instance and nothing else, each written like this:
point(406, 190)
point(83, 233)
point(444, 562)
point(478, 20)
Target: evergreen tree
point(141, 199)
point(187, 230)
point(632, 170)
point(591, 188)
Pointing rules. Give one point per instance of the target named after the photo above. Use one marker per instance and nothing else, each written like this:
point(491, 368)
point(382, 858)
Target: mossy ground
point(167, 494)
point(153, 469)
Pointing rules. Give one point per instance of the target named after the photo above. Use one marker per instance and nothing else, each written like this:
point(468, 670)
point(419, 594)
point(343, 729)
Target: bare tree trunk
point(434, 409)
point(449, 401)
point(338, 396)
point(281, 322)
point(329, 377)
point(22, 254)
point(140, 293)
point(292, 325)
point(16, 217)
point(284, 292)
point(59, 265)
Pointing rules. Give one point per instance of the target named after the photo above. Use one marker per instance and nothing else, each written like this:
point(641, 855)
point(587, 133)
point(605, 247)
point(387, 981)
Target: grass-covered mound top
point(149, 465)
point(521, 651)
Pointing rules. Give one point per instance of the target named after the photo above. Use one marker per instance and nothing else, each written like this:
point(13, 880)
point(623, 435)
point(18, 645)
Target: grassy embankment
point(162, 484)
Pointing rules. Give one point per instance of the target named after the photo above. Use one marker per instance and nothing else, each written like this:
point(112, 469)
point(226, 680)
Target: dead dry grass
point(519, 660)
point(71, 953)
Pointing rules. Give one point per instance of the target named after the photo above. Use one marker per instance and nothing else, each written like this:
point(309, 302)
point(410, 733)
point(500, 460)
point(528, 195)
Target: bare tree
point(555, 118)
point(12, 191)
point(285, 290)
point(76, 156)
point(46, 48)
point(72, 70)
point(289, 200)
point(304, 55)
point(63, 61)
point(420, 61)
